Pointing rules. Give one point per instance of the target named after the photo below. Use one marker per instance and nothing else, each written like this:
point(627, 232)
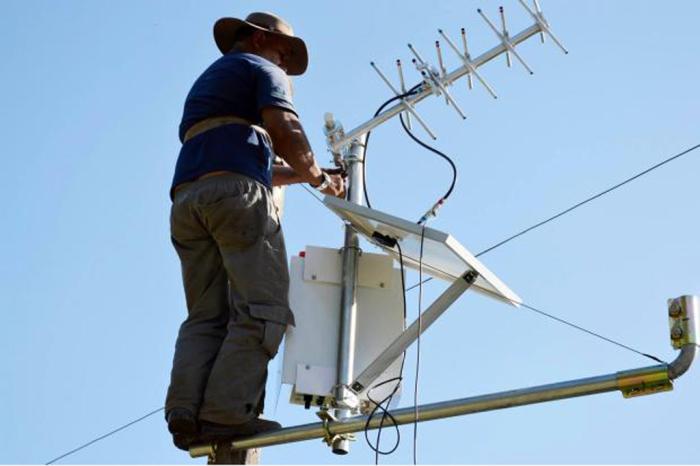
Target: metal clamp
point(329, 437)
point(645, 381)
point(326, 418)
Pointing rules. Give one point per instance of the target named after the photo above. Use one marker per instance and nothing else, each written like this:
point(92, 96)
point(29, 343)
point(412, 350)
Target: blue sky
point(92, 95)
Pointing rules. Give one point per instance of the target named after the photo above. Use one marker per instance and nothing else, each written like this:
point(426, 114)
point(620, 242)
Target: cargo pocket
point(276, 319)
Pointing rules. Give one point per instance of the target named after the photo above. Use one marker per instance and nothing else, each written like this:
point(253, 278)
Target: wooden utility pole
point(223, 454)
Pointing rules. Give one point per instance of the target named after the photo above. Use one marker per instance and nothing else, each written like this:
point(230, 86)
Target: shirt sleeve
point(273, 89)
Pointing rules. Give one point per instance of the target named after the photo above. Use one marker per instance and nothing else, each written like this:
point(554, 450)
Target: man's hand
point(336, 187)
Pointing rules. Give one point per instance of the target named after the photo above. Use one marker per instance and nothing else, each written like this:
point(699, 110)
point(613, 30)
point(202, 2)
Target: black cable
point(389, 398)
point(385, 414)
point(437, 152)
point(106, 435)
point(379, 110)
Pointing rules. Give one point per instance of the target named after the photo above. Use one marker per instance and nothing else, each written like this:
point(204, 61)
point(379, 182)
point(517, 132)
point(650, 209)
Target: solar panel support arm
point(402, 342)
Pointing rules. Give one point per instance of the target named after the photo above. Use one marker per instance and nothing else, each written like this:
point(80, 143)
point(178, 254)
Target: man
point(226, 230)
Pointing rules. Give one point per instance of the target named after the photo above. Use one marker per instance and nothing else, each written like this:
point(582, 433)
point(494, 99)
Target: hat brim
point(225, 30)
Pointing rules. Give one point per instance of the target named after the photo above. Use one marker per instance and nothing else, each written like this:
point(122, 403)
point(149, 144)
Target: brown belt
point(211, 123)
point(214, 122)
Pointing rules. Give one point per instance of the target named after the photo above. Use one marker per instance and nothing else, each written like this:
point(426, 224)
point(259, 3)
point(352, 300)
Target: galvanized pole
point(346, 398)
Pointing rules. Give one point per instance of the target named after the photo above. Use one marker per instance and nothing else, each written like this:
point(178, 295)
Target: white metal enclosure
point(311, 348)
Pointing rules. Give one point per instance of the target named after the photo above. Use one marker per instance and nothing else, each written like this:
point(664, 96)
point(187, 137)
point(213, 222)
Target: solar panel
point(443, 256)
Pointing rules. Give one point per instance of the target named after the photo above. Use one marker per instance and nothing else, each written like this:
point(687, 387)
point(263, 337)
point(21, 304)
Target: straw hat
point(225, 30)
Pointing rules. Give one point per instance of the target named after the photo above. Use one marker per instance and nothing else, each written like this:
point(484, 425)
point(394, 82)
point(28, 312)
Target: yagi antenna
point(436, 80)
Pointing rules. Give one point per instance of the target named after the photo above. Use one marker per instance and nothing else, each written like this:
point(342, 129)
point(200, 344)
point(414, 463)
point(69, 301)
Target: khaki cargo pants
point(227, 234)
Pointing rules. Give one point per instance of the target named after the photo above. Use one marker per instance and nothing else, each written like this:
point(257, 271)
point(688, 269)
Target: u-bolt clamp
point(326, 418)
point(328, 436)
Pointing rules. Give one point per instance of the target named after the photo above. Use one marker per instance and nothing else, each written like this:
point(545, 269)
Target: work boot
point(184, 441)
point(212, 431)
point(181, 421)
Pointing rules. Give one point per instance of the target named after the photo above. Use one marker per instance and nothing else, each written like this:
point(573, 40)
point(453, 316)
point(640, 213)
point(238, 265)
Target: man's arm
point(283, 175)
point(291, 144)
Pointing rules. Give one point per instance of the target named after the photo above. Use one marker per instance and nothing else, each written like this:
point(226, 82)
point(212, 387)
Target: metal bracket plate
point(684, 328)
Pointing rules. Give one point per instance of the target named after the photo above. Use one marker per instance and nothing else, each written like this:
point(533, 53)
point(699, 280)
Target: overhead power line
point(586, 201)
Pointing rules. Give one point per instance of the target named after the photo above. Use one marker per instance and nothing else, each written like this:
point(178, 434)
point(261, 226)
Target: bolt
point(313, 277)
point(676, 333)
point(675, 309)
point(381, 285)
point(307, 367)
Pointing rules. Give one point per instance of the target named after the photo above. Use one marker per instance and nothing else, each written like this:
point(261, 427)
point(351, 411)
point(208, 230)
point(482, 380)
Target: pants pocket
point(275, 318)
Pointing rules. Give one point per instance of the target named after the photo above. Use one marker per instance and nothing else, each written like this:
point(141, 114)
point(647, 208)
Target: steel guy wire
point(101, 437)
point(551, 316)
point(578, 327)
point(575, 206)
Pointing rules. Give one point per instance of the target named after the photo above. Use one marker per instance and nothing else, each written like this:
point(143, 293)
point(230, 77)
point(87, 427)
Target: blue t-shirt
point(237, 84)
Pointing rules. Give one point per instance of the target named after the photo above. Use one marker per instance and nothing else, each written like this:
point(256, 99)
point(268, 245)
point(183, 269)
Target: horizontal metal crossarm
point(423, 91)
point(646, 380)
point(684, 313)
